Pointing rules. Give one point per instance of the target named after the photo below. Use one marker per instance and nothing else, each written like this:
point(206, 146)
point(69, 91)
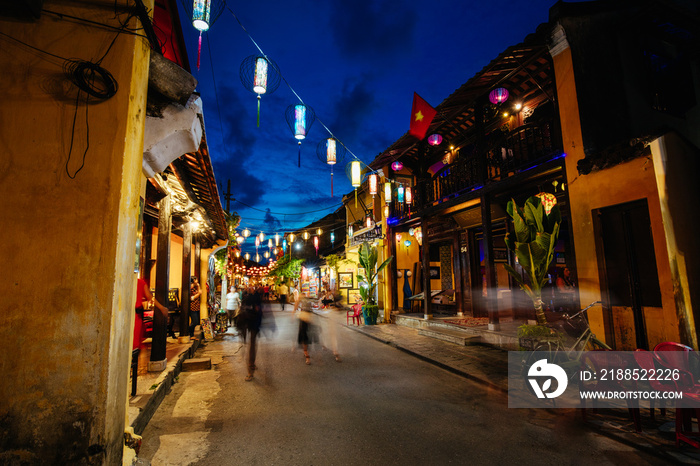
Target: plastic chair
point(672, 355)
point(610, 361)
point(355, 312)
point(645, 360)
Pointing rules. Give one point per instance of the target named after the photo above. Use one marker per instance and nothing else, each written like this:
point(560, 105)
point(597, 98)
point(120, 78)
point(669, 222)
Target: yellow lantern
point(247, 256)
point(319, 231)
point(277, 239)
point(356, 173)
point(306, 235)
point(246, 233)
point(291, 238)
point(387, 192)
point(269, 243)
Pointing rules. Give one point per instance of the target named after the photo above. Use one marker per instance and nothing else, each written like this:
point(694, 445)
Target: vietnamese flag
point(422, 115)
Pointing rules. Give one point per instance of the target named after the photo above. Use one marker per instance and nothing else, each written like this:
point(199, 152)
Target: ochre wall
point(67, 309)
point(626, 182)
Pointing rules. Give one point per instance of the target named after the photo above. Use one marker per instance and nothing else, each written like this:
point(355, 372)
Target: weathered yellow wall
point(67, 308)
point(626, 182)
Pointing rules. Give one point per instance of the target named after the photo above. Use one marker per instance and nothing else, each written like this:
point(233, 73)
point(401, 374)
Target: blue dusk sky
point(357, 63)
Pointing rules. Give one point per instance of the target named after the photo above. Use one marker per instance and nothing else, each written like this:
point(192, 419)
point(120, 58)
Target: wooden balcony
point(503, 155)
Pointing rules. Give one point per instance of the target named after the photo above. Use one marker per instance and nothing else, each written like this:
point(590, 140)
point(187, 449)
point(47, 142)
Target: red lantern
point(498, 95)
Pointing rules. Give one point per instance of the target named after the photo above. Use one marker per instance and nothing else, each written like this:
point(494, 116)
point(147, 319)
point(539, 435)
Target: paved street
point(378, 406)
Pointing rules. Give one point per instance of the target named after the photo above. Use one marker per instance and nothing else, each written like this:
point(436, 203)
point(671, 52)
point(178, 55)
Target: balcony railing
point(502, 157)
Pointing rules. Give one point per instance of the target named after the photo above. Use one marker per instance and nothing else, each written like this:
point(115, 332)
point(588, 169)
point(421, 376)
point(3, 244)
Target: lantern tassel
point(356, 198)
point(199, 49)
point(331, 181)
point(258, 110)
point(299, 162)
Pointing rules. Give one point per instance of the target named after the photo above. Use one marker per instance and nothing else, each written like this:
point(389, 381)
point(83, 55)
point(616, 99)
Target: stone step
point(196, 364)
point(452, 336)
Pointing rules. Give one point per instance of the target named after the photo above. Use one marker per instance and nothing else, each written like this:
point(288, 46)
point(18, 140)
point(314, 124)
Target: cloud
point(372, 29)
point(271, 222)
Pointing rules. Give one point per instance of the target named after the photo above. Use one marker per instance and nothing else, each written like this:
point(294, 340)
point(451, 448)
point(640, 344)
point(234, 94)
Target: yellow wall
point(67, 308)
point(626, 182)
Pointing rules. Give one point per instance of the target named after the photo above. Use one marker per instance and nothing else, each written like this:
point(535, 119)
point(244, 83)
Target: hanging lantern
point(386, 211)
point(284, 245)
point(407, 243)
point(269, 243)
point(291, 238)
point(332, 237)
point(238, 254)
point(262, 236)
point(411, 231)
point(332, 152)
point(373, 181)
point(300, 117)
point(277, 239)
point(247, 256)
point(246, 233)
point(408, 195)
point(201, 10)
point(387, 192)
point(319, 231)
point(257, 258)
point(434, 139)
point(355, 176)
point(396, 166)
point(316, 244)
point(368, 222)
point(240, 239)
point(548, 200)
point(350, 231)
point(267, 254)
point(260, 75)
point(257, 241)
point(498, 95)
point(306, 235)
point(399, 194)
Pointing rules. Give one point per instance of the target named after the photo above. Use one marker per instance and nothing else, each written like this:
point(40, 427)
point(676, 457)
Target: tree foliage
point(287, 268)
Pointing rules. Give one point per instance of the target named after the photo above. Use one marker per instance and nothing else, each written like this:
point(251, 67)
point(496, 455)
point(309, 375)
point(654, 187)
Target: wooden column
point(158, 359)
point(457, 267)
point(490, 269)
point(427, 301)
point(186, 266)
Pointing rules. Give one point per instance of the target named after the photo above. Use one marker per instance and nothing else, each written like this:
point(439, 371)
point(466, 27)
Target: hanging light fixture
point(300, 117)
point(238, 253)
point(373, 181)
point(247, 256)
point(257, 242)
point(291, 237)
point(498, 95)
point(201, 10)
point(386, 211)
point(399, 194)
point(316, 244)
point(408, 194)
point(306, 235)
point(257, 258)
point(332, 237)
point(434, 139)
point(332, 152)
point(269, 243)
point(260, 75)
point(266, 255)
point(368, 221)
point(262, 236)
point(350, 231)
point(396, 166)
point(355, 176)
point(387, 192)
point(319, 231)
point(246, 233)
point(240, 239)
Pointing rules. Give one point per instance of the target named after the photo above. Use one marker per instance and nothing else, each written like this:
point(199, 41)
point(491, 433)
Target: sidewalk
point(489, 366)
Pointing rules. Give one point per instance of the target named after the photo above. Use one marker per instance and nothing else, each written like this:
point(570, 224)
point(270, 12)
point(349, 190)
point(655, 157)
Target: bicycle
point(571, 337)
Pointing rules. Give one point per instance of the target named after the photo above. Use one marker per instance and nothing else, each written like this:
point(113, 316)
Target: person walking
point(233, 305)
point(283, 290)
point(296, 296)
point(253, 309)
point(306, 330)
point(195, 306)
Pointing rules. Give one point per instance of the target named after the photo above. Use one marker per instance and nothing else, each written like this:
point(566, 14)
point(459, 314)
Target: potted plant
point(368, 261)
point(536, 228)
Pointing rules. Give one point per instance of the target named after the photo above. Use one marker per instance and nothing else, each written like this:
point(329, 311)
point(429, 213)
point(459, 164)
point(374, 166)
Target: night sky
point(357, 64)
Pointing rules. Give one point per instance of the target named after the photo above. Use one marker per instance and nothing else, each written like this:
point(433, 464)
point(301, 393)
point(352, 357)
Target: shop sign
point(369, 234)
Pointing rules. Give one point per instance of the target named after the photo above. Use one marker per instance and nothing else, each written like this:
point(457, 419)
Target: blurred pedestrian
point(296, 296)
point(283, 290)
point(253, 310)
point(306, 329)
point(233, 305)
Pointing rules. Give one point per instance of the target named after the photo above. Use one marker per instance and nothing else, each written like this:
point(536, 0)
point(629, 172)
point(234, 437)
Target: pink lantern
point(373, 184)
point(396, 166)
point(409, 195)
point(316, 244)
point(434, 139)
point(498, 95)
